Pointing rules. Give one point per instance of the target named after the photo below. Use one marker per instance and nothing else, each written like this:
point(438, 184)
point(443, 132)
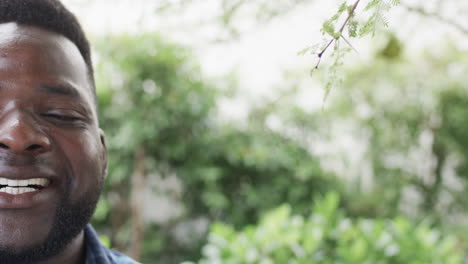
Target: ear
point(103, 154)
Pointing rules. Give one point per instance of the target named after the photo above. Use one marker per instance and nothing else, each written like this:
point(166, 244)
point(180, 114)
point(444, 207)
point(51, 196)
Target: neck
point(74, 253)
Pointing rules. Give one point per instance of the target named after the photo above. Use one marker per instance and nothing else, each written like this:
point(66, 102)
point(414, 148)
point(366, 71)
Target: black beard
point(70, 219)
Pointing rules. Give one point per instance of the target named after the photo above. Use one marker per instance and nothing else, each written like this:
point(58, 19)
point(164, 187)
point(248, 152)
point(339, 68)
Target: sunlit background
point(225, 146)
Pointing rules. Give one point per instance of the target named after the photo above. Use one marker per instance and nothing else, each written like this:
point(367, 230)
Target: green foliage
point(328, 236)
point(410, 116)
point(373, 16)
point(328, 27)
point(149, 72)
point(152, 98)
point(334, 76)
point(392, 49)
point(377, 9)
point(452, 132)
point(241, 174)
point(359, 23)
point(406, 115)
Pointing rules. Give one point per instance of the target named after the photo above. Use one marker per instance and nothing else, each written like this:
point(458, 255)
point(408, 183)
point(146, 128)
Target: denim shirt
point(96, 253)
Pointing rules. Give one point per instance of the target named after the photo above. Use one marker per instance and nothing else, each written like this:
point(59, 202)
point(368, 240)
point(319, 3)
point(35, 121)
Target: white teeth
point(23, 183)
point(32, 182)
point(21, 190)
point(20, 186)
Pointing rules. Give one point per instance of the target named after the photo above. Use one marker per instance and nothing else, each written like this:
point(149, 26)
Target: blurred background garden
point(226, 146)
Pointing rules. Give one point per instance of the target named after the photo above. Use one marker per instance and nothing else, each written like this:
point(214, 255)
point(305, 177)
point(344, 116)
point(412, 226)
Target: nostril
point(3, 146)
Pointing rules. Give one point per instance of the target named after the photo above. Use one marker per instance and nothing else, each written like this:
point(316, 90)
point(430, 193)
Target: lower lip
point(26, 200)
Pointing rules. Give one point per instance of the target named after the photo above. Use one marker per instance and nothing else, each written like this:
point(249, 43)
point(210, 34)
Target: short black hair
point(50, 15)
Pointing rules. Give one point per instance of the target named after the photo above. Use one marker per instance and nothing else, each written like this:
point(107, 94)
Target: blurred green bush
point(409, 126)
point(328, 236)
point(153, 100)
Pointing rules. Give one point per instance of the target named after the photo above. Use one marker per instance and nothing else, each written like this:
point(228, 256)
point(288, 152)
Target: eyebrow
point(61, 89)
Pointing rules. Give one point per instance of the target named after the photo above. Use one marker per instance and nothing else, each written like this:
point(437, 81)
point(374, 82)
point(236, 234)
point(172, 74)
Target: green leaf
point(352, 28)
point(328, 28)
point(372, 4)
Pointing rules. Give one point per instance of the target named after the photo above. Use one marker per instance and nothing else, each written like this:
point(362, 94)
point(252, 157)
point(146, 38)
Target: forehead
point(29, 55)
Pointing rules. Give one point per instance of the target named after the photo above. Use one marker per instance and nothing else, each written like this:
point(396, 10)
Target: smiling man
point(53, 157)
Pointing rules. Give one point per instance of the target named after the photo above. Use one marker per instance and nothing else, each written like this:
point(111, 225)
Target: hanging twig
point(340, 33)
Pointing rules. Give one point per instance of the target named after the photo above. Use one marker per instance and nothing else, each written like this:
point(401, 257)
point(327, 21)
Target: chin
point(25, 238)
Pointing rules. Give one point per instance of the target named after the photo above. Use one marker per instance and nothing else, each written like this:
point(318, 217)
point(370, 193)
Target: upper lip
point(25, 173)
point(18, 167)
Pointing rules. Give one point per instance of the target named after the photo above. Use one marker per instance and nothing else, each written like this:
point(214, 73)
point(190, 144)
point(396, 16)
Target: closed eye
point(64, 118)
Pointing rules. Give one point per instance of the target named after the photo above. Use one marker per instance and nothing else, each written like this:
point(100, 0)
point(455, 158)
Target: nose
point(21, 134)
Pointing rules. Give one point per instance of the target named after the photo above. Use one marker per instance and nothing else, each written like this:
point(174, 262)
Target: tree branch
point(350, 14)
point(137, 199)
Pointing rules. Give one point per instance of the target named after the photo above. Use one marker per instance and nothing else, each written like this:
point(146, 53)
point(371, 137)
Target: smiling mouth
point(15, 187)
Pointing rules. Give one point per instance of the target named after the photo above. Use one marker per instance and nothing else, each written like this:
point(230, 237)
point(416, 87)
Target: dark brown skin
point(57, 125)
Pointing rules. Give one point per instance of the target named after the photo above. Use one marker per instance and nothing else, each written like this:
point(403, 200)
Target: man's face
point(49, 140)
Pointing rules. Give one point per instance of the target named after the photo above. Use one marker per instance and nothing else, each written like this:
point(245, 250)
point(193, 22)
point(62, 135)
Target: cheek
point(83, 152)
